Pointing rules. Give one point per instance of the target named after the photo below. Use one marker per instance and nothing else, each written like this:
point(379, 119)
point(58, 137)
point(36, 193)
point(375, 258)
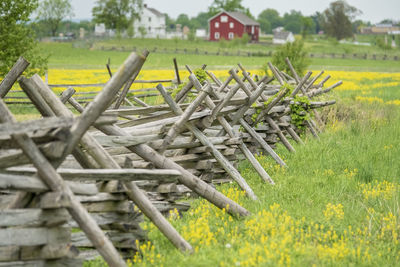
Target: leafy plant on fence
point(299, 112)
point(297, 55)
point(200, 74)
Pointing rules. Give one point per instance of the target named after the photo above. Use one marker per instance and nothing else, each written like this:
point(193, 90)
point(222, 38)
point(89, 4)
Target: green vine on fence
point(200, 74)
point(299, 108)
point(299, 112)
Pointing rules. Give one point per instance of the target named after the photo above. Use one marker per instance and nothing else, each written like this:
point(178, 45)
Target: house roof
point(239, 16)
point(282, 35)
point(155, 12)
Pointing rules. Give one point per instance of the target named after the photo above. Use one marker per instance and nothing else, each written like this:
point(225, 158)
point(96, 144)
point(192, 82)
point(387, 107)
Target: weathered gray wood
point(33, 217)
point(100, 197)
point(26, 127)
point(178, 79)
point(105, 160)
point(35, 184)
point(282, 137)
point(12, 76)
point(54, 200)
point(122, 141)
point(178, 126)
point(65, 262)
point(34, 236)
point(145, 119)
point(324, 91)
point(67, 94)
point(203, 139)
point(260, 170)
point(35, 97)
point(112, 206)
point(106, 174)
point(46, 252)
point(105, 218)
point(120, 240)
point(262, 143)
point(191, 181)
point(51, 251)
point(56, 183)
point(301, 84)
point(125, 90)
point(239, 114)
point(322, 104)
point(321, 83)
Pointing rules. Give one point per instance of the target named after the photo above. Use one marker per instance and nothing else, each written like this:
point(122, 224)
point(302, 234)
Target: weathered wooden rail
point(143, 163)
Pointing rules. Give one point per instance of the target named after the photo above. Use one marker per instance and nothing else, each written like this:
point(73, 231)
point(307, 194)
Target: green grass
point(359, 146)
point(323, 186)
point(315, 44)
point(64, 55)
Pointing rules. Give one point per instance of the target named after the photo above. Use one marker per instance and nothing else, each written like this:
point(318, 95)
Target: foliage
point(307, 26)
point(201, 75)
point(116, 14)
point(42, 30)
point(292, 21)
point(269, 19)
point(52, 12)
point(184, 20)
point(336, 19)
point(332, 207)
point(16, 38)
point(298, 111)
point(380, 42)
point(295, 52)
point(227, 5)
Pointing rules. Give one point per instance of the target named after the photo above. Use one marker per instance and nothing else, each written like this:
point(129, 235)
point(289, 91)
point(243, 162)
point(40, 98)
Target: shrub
point(16, 38)
point(297, 55)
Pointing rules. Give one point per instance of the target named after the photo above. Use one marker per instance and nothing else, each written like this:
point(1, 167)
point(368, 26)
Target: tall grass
point(336, 204)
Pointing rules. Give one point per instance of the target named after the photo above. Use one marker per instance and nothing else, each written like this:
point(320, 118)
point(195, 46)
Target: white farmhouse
point(151, 23)
point(282, 37)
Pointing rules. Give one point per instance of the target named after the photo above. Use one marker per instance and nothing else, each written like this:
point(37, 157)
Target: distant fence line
point(243, 53)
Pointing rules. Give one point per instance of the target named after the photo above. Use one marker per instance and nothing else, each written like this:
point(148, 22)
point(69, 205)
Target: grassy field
point(315, 44)
point(337, 204)
point(65, 55)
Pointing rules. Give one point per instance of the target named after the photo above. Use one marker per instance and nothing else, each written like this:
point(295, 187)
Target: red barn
point(227, 25)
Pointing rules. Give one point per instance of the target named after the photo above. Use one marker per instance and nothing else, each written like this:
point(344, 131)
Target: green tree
point(307, 26)
point(337, 18)
point(184, 20)
point(116, 14)
point(169, 23)
point(317, 18)
point(52, 12)
point(227, 5)
point(16, 38)
point(292, 21)
point(269, 19)
point(201, 20)
point(297, 55)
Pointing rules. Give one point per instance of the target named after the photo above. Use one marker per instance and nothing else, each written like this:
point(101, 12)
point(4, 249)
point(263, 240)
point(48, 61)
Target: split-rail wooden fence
point(98, 173)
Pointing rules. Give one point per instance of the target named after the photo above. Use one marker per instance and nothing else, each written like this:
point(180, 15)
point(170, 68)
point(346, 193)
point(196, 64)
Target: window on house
point(216, 35)
point(224, 18)
point(252, 29)
point(231, 25)
point(216, 24)
point(149, 29)
point(149, 19)
point(231, 35)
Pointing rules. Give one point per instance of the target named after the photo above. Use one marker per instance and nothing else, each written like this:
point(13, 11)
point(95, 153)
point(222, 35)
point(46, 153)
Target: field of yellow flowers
point(338, 203)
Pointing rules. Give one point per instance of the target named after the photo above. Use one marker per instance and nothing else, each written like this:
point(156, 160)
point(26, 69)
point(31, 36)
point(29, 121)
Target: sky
point(373, 10)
